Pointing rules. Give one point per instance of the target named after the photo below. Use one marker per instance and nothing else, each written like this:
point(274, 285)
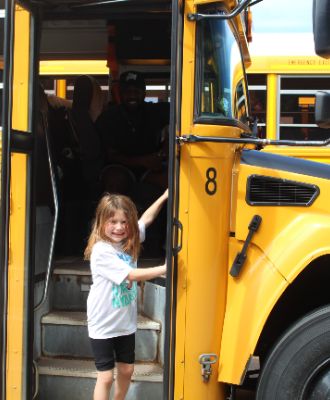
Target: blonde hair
point(108, 205)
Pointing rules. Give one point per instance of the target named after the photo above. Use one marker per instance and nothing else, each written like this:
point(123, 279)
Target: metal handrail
point(52, 167)
point(224, 15)
point(248, 139)
point(36, 388)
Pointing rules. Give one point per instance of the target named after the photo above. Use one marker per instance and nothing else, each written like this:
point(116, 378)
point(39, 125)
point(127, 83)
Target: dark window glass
point(301, 133)
point(257, 84)
point(297, 107)
point(306, 83)
point(257, 79)
point(220, 74)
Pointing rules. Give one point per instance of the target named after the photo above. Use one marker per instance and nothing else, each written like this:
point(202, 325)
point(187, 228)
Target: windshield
point(220, 73)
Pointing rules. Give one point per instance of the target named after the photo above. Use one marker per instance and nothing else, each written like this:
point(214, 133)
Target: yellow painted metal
point(61, 88)
point(250, 298)
point(203, 260)
point(272, 106)
point(287, 222)
point(21, 69)
point(268, 269)
point(318, 154)
point(289, 65)
point(186, 125)
point(202, 263)
point(16, 278)
point(73, 67)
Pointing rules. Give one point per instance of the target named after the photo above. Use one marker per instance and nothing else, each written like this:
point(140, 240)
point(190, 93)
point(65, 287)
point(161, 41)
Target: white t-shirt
point(111, 306)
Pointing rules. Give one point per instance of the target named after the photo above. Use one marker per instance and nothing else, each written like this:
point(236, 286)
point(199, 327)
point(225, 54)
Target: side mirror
point(322, 109)
point(321, 27)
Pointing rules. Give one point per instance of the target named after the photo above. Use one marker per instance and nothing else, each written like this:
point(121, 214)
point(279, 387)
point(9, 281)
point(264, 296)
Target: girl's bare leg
point(103, 385)
point(123, 380)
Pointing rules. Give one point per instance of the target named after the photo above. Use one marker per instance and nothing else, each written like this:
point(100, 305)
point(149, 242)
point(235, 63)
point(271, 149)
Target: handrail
point(36, 384)
point(248, 139)
point(44, 121)
point(241, 6)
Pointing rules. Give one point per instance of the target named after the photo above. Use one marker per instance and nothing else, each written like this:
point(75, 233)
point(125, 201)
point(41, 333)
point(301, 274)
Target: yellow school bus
point(244, 306)
point(282, 87)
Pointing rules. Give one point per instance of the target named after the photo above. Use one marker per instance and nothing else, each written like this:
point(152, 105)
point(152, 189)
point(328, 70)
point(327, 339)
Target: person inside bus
point(133, 134)
point(134, 137)
point(78, 158)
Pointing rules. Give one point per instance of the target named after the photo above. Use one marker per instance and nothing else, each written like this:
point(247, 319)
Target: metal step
point(77, 266)
point(72, 280)
point(68, 379)
point(64, 333)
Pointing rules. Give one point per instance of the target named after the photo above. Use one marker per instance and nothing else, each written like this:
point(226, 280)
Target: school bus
point(245, 303)
point(282, 90)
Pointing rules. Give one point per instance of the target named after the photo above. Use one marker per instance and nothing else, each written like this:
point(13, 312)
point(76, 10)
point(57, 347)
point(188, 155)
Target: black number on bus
point(211, 183)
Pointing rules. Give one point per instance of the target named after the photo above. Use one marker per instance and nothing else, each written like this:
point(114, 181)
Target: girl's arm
point(151, 213)
point(144, 274)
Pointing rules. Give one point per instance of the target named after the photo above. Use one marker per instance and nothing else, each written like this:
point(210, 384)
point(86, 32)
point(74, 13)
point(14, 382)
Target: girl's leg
point(103, 385)
point(123, 380)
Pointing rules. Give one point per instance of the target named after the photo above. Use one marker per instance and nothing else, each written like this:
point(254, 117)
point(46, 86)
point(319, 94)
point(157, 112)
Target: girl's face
point(116, 227)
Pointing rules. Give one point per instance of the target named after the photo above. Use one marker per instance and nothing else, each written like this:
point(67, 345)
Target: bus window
point(297, 104)
point(258, 100)
point(157, 89)
point(220, 76)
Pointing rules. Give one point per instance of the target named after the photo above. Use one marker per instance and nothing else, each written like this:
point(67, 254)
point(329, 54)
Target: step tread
point(78, 266)
point(71, 266)
point(80, 318)
point(150, 372)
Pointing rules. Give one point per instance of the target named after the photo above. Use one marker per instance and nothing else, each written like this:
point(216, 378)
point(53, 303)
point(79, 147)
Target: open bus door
point(16, 185)
point(213, 105)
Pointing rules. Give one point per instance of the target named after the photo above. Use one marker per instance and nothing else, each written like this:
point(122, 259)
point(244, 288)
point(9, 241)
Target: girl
point(113, 248)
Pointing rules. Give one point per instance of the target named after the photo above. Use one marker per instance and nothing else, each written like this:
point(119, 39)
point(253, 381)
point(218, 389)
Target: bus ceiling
point(53, 9)
point(82, 29)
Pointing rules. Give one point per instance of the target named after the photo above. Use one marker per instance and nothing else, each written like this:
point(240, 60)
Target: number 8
point(211, 183)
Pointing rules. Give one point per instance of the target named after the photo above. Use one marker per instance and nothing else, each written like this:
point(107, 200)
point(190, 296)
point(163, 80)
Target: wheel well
point(309, 290)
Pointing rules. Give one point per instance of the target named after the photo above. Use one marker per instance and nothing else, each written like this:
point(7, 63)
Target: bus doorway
point(62, 351)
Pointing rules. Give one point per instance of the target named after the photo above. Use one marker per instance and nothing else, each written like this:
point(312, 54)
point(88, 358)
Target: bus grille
point(268, 191)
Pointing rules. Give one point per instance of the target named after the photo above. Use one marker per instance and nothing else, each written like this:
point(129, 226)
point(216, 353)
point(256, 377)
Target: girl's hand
point(129, 284)
point(165, 194)
point(164, 268)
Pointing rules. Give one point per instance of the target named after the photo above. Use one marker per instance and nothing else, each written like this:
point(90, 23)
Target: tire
point(298, 367)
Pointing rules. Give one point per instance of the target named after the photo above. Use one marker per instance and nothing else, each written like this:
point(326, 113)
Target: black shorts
point(107, 351)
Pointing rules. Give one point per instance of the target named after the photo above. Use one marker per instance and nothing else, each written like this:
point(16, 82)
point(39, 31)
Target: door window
point(220, 80)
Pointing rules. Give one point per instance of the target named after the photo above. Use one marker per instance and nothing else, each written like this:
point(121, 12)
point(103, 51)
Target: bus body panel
point(282, 223)
point(251, 296)
point(309, 153)
point(286, 244)
point(204, 209)
point(17, 278)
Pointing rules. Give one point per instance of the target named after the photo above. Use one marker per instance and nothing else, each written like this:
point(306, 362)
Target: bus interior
point(117, 36)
